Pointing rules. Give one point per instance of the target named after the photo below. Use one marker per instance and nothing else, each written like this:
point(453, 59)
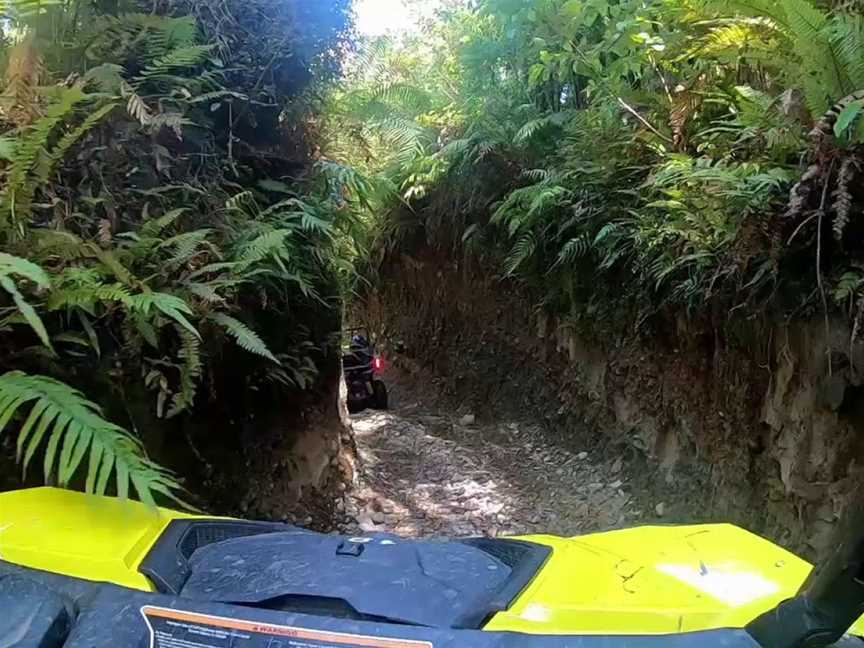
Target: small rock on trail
point(426, 473)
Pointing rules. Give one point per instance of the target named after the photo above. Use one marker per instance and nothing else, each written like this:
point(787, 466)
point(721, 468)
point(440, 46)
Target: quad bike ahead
point(81, 571)
point(362, 367)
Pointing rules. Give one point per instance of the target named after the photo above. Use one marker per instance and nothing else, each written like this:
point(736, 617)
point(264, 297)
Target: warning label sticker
point(178, 629)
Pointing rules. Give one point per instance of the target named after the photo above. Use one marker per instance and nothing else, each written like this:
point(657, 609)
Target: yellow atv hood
point(656, 580)
point(83, 536)
point(648, 580)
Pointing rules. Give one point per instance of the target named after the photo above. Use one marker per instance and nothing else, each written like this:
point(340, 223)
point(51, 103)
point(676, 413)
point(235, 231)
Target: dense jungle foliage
point(185, 178)
point(625, 158)
point(160, 207)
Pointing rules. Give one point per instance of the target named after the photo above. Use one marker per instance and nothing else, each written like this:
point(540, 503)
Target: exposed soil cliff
point(747, 424)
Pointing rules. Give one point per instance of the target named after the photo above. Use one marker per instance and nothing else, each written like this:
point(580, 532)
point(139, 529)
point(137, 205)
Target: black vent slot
point(166, 564)
point(525, 559)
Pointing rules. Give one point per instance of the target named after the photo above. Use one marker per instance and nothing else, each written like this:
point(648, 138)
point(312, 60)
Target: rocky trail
point(426, 471)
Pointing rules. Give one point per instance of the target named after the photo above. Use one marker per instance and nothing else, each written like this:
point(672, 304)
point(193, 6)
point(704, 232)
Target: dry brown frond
point(20, 102)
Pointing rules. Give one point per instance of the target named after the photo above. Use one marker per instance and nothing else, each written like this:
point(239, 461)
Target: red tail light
point(378, 364)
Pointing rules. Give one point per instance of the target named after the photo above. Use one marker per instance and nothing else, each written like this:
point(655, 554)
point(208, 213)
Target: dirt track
point(427, 472)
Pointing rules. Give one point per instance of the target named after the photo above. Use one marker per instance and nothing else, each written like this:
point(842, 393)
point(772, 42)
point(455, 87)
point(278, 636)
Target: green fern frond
point(206, 292)
point(314, 224)
point(133, 32)
point(574, 249)
point(87, 297)
point(540, 125)
point(155, 226)
point(214, 269)
point(144, 327)
point(739, 37)
point(804, 18)
point(111, 264)
point(59, 151)
point(191, 369)
point(13, 265)
point(27, 311)
point(216, 95)
point(771, 9)
point(847, 37)
point(16, 198)
point(246, 338)
point(537, 175)
point(107, 77)
point(244, 202)
point(8, 148)
point(179, 59)
point(74, 428)
point(403, 94)
point(173, 307)
point(186, 245)
point(523, 250)
point(269, 244)
point(407, 138)
point(812, 40)
point(51, 244)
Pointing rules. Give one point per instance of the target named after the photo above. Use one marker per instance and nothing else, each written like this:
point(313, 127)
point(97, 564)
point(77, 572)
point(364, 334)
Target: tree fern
point(246, 338)
point(72, 428)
